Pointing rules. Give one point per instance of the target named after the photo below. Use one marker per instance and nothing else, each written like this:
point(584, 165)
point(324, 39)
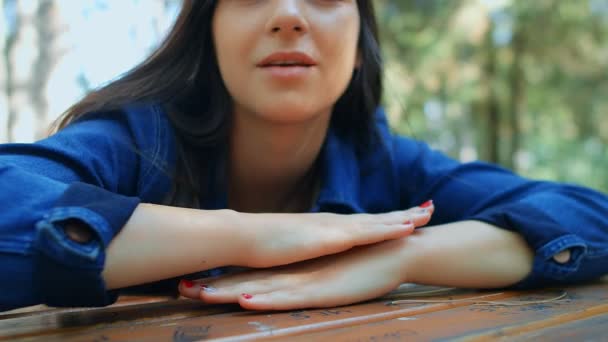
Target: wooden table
point(410, 314)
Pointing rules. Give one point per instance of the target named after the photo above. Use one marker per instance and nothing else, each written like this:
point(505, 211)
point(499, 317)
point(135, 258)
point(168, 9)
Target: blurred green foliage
point(519, 83)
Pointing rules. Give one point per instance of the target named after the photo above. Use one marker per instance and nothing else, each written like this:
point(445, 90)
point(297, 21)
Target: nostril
point(296, 28)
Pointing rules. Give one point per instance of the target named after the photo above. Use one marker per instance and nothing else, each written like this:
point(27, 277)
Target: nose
point(287, 18)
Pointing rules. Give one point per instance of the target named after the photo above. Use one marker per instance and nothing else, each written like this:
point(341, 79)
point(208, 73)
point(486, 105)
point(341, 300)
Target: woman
point(252, 138)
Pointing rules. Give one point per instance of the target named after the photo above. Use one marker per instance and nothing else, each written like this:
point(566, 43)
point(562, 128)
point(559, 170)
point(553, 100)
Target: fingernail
point(426, 204)
point(246, 296)
point(422, 211)
point(208, 288)
point(408, 223)
point(187, 283)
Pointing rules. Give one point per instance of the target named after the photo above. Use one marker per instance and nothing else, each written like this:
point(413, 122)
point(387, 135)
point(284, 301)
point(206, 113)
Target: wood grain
point(583, 313)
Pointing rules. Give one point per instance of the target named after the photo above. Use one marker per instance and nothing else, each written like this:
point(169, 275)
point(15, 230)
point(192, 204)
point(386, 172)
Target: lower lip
point(291, 72)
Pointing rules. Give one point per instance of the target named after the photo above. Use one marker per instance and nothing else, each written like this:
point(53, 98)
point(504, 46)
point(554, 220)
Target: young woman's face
point(286, 60)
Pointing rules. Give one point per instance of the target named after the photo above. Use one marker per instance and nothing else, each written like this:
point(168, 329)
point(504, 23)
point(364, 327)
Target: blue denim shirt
point(100, 168)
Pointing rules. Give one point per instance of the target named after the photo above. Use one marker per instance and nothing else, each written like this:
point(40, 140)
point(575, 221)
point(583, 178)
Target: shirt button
point(562, 257)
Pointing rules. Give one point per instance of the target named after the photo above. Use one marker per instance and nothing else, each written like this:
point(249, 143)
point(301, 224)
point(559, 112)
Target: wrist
point(256, 238)
point(468, 254)
point(225, 228)
point(409, 256)
point(247, 232)
point(393, 258)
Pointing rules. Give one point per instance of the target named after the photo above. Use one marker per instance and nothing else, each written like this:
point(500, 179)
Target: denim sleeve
point(552, 217)
point(96, 171)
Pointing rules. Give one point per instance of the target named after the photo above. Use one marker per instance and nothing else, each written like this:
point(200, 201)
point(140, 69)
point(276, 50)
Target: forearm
point(160, 242)
point(466, 254)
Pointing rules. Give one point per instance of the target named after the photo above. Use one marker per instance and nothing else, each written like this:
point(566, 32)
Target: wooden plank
point(43, 309)
point(202, 324)
point(535, 326)
point(124, 314)
point(477, 323)
point(591, 329)
point(185, 320)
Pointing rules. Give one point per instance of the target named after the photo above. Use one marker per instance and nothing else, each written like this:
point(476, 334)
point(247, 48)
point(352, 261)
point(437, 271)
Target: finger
point(303, 298)
point(426, 207)
point(400, 224)
point(417, 217)
point(420, 216)
point(312, 295)
point(226, 289)
point(214, 293)
point(370, 234)
point(189, 288)
point(419, 213)
point(285, 300)
point(406, 228)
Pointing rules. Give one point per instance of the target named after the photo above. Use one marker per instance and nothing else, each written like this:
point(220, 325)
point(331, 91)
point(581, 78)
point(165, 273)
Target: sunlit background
point(517, 82)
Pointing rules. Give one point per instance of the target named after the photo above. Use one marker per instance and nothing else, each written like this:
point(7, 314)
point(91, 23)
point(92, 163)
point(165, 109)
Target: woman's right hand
point(279, 239)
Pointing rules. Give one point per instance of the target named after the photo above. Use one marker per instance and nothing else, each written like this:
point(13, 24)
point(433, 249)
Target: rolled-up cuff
point(546, 271)
point(66, 272)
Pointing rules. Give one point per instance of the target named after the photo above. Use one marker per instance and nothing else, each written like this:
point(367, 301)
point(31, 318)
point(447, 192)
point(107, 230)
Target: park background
point(520, 83)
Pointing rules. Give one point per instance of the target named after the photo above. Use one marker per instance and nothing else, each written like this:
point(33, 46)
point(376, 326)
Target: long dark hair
point(183, 76)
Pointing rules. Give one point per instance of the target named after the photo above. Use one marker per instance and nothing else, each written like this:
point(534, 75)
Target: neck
point(271, 163)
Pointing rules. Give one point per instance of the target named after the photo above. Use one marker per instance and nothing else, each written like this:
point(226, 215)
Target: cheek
point(233, 43)
point(340, 52)
point(231, 67)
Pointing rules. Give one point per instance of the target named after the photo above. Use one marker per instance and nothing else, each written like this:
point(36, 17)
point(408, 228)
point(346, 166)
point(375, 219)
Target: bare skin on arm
point(209, 239)
point(440, 255)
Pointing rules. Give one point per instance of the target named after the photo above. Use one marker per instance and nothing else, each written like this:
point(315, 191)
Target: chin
point(289, 115)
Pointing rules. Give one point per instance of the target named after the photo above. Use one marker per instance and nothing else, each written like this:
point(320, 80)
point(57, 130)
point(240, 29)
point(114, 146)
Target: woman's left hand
point(359, 274)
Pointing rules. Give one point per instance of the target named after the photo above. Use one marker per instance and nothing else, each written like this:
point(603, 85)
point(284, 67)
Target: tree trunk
point(3, 81)
point(47, 29)
point(492, 106)
point(29, 57)
point(13, 31)
point(517, 91)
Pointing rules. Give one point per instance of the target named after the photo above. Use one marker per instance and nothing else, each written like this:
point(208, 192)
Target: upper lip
point(297, 57)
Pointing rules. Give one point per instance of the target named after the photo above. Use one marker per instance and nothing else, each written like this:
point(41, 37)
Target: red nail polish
point(408, 223)
point(426, 204)
point(187, 283)
point(247, 296)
